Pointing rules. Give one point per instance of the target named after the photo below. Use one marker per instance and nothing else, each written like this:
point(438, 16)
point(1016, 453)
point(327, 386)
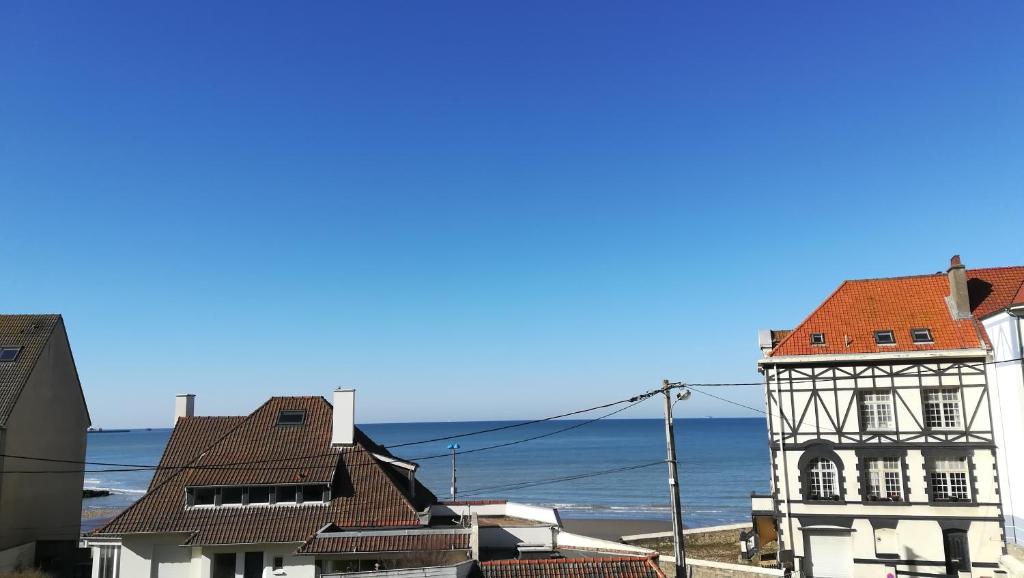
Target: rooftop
point(848, 320)
point(366, 492)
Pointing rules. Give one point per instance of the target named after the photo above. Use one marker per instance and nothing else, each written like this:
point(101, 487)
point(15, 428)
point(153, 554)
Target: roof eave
point(894, 355)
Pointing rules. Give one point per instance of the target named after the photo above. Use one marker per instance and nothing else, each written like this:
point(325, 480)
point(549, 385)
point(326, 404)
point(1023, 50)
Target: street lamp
point(453, 446)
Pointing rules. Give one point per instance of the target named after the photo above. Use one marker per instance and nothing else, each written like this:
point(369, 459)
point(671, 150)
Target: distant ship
point(101, 430)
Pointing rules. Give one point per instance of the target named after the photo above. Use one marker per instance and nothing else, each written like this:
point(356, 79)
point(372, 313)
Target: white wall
point(1006, 383)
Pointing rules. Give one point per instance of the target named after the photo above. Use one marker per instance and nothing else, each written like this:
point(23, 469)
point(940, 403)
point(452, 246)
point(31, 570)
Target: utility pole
point(453, 447)
point(678, 547)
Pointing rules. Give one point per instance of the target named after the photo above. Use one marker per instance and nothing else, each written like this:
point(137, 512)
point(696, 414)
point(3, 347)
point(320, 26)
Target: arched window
point(823, 478)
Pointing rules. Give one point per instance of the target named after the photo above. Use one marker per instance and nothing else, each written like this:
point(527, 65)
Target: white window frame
point(885, 478)
point(947, 406)
point(104, 568)
point(822, 475)
point(877, 412)
point(950, 478)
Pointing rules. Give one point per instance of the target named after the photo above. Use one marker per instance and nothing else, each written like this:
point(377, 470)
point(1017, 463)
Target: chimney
point(959, 300)
point(764, 340)
point(343, 424)
point(184, 406)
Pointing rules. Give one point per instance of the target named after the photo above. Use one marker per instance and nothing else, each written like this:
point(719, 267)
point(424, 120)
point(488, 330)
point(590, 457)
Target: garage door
point(830, 554)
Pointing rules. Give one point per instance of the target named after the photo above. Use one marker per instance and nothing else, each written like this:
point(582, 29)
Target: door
point(958, 556)
point(223, 566)
point(828, 554)
point(253, 565)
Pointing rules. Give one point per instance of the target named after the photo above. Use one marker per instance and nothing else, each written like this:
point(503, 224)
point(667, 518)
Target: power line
point(234, 466)
point(530, 484)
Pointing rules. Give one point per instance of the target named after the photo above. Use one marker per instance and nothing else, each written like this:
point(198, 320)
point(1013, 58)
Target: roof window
point(817, 339)
point(921, 335)
point(291, 417)
point(9, 353)
point(886, 337)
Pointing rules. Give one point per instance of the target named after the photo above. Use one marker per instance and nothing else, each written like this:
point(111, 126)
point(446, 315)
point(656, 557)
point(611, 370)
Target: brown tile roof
point(411, 542)
point(189, 439)
point(619, 567)
point(30, 332)
point(995, 289)
point(364, 494)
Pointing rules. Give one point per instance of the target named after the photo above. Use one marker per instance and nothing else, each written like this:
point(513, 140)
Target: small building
point(43, 414)
point(887, 448)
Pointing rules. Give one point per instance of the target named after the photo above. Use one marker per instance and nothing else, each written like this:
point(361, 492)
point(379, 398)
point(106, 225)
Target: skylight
point(9, 353)
point(817, 339)
point(921, 335)
point(291, 417)
point(885, 337)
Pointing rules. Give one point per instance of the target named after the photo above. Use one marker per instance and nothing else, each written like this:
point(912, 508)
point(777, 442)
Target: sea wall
point(711, 569)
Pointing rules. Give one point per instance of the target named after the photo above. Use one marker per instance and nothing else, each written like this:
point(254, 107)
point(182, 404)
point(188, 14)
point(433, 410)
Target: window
point(921, 335)
point(942, 408)
point(205, 496)
point(885, 479)
point(823, 480)
point(286, 494)
point(876, 410)
point(107, 562)
point(9, 353)
point(259, 495)
point(948, 478)
point(278, 562)
point(885, 337)
point(817, 339)
point(291, 417)
point(313, 493)
point(231, 496)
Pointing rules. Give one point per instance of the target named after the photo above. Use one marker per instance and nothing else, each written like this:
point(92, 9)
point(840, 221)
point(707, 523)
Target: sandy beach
point(613, 529)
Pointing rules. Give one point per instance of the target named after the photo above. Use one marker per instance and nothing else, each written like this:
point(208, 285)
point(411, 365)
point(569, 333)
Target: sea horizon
point(722, 460)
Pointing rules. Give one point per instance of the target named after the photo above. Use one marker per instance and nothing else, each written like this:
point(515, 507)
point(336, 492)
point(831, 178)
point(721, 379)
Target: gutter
point(883, 356)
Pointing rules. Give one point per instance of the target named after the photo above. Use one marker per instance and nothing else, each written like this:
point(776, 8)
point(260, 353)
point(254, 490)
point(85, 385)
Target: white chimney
point(343, 425)
point(184, 406)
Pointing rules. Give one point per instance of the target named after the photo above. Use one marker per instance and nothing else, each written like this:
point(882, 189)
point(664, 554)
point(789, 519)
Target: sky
point(485, 210)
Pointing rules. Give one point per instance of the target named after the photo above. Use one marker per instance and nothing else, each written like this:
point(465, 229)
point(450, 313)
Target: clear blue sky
point(475, 210)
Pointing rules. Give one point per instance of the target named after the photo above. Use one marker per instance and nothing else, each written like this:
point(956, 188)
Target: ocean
point(722, 460)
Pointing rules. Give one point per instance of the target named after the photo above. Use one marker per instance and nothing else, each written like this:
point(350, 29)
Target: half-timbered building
point(883, 450)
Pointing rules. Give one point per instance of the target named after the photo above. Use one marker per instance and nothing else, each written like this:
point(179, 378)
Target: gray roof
point(30, 332)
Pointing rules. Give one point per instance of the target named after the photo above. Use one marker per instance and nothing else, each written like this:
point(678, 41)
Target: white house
point(884, 444)
point(295, 489)
point(42, 415)
point(998, 296)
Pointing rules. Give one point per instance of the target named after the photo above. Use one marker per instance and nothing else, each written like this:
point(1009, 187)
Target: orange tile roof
point(995, 289)
point(857, 309)
point(852, 314)
point(612, 567)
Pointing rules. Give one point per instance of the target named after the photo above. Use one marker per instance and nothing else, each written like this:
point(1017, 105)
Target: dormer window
point(291, 417)
point(886, 337)
point(921, 335)
point(9, 353)
point(817, 339)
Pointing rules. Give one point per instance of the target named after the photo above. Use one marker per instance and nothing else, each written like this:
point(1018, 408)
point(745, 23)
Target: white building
point(1000, 307)
point(42, 414)
point(883, 437)
point(293, 489)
